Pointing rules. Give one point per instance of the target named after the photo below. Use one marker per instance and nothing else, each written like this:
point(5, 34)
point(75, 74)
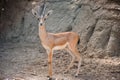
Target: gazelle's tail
point(78, 41)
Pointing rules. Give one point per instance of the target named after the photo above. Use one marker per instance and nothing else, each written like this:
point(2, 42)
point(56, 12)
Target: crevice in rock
point(91, 31)
point(89, 34)
point(107, 41)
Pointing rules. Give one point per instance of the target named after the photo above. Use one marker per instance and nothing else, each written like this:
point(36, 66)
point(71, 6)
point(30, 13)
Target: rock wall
point(96, 21)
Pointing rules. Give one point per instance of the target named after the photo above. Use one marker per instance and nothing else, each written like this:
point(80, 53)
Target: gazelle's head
point(39, 13)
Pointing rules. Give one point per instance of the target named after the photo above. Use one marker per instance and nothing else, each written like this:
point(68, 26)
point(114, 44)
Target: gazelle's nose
point(41, 22)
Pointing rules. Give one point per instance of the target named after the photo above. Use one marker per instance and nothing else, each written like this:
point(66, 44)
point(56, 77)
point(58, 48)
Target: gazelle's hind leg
point(79, 62)
point(74, 50)
point(73, 59)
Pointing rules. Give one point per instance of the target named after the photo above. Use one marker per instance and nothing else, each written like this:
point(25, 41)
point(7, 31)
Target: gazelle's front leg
point(50, 55)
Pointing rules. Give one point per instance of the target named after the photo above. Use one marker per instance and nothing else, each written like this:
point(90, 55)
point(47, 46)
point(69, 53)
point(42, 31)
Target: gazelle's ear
point(48, 13)
point(35, 13)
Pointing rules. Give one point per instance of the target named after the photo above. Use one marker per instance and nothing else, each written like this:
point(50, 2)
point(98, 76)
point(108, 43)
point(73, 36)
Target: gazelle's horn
point(42, 12)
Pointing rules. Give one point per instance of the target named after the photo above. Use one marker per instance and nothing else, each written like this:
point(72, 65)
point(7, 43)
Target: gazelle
point(58, 41)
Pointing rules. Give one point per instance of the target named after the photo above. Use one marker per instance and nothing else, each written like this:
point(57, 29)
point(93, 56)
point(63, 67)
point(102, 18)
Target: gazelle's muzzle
point(41, 22)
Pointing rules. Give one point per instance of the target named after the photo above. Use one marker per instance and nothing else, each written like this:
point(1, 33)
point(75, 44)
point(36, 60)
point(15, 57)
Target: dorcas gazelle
point(58, 41)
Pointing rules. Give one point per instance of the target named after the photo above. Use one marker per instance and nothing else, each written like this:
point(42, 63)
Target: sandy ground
point(29, 62)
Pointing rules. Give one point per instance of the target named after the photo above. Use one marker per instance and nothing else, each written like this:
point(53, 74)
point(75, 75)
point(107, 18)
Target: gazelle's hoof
point(76, 75)
point(49, 78)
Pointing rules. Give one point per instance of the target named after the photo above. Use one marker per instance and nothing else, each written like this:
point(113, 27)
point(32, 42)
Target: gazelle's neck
point(42, 32)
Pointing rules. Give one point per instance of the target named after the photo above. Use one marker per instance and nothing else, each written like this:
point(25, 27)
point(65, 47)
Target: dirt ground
point(29, 62)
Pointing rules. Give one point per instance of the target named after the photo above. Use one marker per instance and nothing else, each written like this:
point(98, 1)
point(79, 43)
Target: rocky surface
point(96, 21)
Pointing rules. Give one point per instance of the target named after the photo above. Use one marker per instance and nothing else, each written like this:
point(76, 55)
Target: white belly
point(60, 47)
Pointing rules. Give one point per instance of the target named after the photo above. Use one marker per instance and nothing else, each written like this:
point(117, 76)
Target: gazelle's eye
point(38, 19)
point(48, 14)
point(44, 19)
point(41, 24)
point(34, 13)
